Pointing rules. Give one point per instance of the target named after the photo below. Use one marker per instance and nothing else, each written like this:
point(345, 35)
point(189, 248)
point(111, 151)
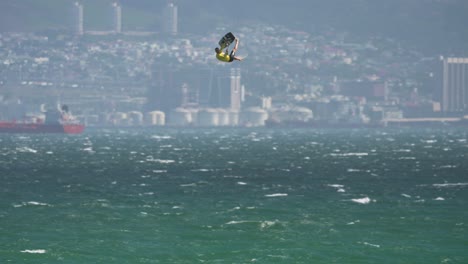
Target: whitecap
point(276, 195)
point(358, 154)
point(241, 183)
point(450, 184)
point(403, 150)
point(335, 185)
point(163, 161)
point(33, 203)
point(406, 195)
point(341, 190)
point(89, 150)
point(160, 137)
point(201, 170)
point(406, 158)
point(364, 200)
point(439, 199)
point(37, 203)
point(34, 251)
point(447, 167)
point(26, 150)
point(188, 185)
point(238, 222)
point(369, 244)
point(267, 224)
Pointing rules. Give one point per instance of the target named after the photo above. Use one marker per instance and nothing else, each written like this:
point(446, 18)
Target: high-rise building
point(229, 90)
point(170, 19)
point(78, 17)
point(455, 84)
point(117, 15)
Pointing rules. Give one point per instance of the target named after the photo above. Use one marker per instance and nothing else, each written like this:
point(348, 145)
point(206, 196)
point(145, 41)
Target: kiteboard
point(226, 40)
point(242, 57)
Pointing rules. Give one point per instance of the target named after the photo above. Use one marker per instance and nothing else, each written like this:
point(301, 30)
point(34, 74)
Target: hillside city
point(288, 77)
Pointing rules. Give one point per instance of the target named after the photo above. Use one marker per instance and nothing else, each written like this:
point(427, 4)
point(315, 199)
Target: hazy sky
point(421, 21)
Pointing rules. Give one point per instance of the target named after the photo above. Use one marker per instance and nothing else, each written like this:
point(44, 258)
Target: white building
point(455, 85)
point(117, 14)
point(78, 18)
point(170, 19)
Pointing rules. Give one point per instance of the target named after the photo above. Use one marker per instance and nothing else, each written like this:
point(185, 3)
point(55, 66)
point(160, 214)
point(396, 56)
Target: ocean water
point(235, 196)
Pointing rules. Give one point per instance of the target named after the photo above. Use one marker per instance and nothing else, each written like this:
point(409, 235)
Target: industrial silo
point(208, 117)
point(155, 118)
point(119, 118)
point(254, 116)
point(233, 117)
point(135, 118)
point(180, 117)
point(223, 117)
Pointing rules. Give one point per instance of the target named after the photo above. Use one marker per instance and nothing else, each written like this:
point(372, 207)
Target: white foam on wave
point(160, 137)
point(335, 185)
point(267, 224)
point(263, 224)
point(159, 171)
point(34, 251)
point(241, 183)
point(339, 187)
point(31, 203)
point(162, 161)
point(365, 200)
point(89, 150)
point(439, 199)
point(201, 170)
point(369, 244)
point(26, 150)
point(239, 222)
point(188, 185)
point(353, 222)
point(276, 195)
point(406, 195)
point(447, 167)
point(357, 170)
point(358, 154)
point(407, 158)
point(403, 150)
point(450, 184)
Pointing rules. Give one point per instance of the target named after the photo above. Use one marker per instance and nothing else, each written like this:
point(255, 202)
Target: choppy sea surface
point(235, 196)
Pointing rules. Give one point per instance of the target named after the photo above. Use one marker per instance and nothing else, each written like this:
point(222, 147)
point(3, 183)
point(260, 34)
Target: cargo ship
point(59, 121)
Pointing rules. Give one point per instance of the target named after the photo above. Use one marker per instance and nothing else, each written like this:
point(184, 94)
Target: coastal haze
point(340, 138)
point(309, 63)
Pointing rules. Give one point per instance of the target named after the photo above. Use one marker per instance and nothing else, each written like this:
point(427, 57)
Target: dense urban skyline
point(339, 74)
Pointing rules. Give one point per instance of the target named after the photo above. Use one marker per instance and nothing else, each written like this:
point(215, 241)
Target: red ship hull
point(13, 127)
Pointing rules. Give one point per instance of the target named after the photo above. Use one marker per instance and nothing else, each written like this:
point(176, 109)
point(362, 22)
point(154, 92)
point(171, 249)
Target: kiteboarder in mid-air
point(224, 43)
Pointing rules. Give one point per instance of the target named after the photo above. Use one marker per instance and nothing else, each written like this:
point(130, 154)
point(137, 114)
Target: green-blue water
point(235, 196)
